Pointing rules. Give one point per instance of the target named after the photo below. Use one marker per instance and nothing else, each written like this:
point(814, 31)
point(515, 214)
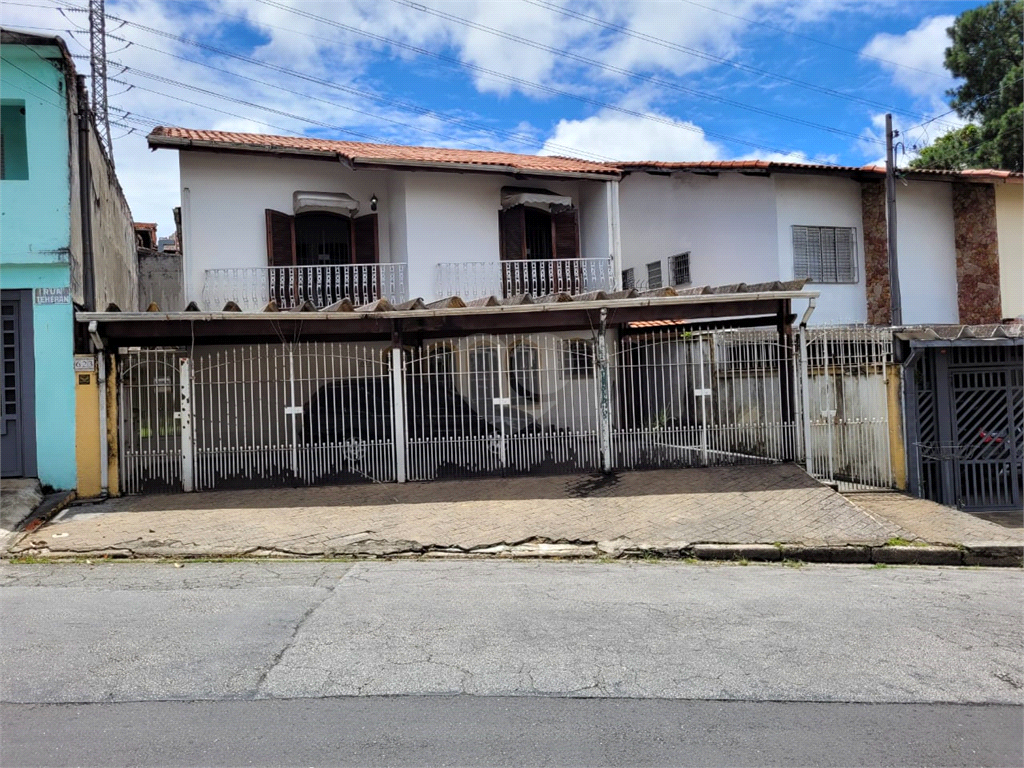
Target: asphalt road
point(469, 662)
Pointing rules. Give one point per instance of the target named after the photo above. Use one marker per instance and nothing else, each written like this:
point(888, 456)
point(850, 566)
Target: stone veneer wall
point(876, 252)
point(977, 253)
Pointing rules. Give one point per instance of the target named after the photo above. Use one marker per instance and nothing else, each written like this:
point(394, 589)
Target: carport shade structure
point(732, 306)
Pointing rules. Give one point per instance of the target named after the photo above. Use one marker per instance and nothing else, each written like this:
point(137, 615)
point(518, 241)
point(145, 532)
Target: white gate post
point(398, 411)
point(805, 394)
point(604, 422)
point(293, 411)
point(185, 416)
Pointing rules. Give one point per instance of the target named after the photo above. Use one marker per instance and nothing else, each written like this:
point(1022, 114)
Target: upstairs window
point(654, 275)
point(13, 141)
point(628, 279)
point(825, 254)
point(530, 233)
point(679, 266)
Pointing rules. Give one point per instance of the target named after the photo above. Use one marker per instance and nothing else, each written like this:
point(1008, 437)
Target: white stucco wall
point(424, 218)
point(224, 221)
point(1010, 228)
point(822, 201)
point(727, 222)
point(926, 252)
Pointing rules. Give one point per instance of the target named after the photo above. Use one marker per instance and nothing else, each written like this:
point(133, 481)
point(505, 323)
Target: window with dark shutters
point(280, 239)
point(567, 238)
point(825, 254)
point(512, 233)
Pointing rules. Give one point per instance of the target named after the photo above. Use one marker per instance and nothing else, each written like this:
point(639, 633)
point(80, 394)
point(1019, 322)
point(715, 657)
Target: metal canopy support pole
point(805, 394)
point(185, 418)
point(604, 399)
point(398, 411)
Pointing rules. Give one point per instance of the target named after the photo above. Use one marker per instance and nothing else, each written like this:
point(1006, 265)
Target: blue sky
point(659, 79)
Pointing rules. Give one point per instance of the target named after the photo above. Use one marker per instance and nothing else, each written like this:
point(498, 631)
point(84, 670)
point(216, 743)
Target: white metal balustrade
point(252, 288)
point(538, 277)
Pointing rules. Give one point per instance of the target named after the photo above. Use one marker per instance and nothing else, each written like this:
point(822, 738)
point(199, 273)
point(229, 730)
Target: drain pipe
point(101, 378)
point(805, 387)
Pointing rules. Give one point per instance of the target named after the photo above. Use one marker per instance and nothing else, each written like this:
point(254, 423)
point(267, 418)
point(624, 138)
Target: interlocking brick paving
point(665, 508)
point(935, 523)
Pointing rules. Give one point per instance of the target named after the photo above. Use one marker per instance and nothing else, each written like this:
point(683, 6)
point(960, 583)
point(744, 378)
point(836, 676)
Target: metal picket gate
point(317, 413)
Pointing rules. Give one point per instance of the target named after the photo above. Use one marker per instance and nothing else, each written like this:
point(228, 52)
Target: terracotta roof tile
point(375, 154)
point(359, 153)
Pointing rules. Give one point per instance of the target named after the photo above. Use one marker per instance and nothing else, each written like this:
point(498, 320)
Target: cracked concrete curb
point(990, 554)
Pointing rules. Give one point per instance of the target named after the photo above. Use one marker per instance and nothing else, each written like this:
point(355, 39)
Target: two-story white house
point(291, 220)
point(716, 223)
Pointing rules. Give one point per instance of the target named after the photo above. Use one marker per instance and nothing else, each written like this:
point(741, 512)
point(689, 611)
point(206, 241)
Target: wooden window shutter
point(512, 233)
point(365, 245)
point(566, 234)
point(280, 239)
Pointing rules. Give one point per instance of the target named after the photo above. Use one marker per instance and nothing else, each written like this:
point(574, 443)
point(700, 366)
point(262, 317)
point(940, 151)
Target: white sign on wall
point(51, 296)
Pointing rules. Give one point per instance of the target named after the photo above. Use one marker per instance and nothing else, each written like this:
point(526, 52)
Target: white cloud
point(913, 54)
point(626, 137)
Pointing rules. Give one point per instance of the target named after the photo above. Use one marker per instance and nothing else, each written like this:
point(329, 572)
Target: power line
point(414, 107)
point(701, 54)
point(623, 71)
point(456, 63)
point(521, 138)
point(785, 31)
point(422, 111)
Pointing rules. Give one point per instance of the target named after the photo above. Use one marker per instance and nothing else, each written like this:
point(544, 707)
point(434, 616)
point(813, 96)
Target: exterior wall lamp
point(373, 202)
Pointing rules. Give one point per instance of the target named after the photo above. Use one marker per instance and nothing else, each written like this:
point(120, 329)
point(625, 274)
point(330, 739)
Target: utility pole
point(895, 304)
point(98, 64)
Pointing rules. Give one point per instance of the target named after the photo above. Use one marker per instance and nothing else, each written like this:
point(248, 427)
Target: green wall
point(35, 243)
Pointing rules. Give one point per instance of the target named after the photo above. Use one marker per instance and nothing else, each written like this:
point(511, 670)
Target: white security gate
point(149, 408)
point(501, 405)
point(291, 414)
point(846, 377)
point(315, 413)
point(699, 399)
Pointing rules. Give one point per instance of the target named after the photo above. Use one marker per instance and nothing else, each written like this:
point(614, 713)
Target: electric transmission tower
point(98, 64)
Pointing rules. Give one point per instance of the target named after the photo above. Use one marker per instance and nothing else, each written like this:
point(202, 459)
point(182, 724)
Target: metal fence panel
point(149, 392)
point(514, 404)
point(848, 370)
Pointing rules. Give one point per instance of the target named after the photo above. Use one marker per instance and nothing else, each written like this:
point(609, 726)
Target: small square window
point(679, 265)
point(628, 279)
point(654, 274)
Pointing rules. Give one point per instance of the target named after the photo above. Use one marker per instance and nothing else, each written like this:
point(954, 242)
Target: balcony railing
point(252, 288)
point(538, 277)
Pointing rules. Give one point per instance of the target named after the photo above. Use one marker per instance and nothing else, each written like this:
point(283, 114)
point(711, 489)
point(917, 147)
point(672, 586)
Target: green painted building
point(57, 250)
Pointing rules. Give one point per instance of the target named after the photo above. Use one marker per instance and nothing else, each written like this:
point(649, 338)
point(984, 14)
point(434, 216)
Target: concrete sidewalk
point(753, 512)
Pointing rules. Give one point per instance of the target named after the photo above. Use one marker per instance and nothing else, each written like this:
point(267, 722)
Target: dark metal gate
point(17, 422)
point(965, 411)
